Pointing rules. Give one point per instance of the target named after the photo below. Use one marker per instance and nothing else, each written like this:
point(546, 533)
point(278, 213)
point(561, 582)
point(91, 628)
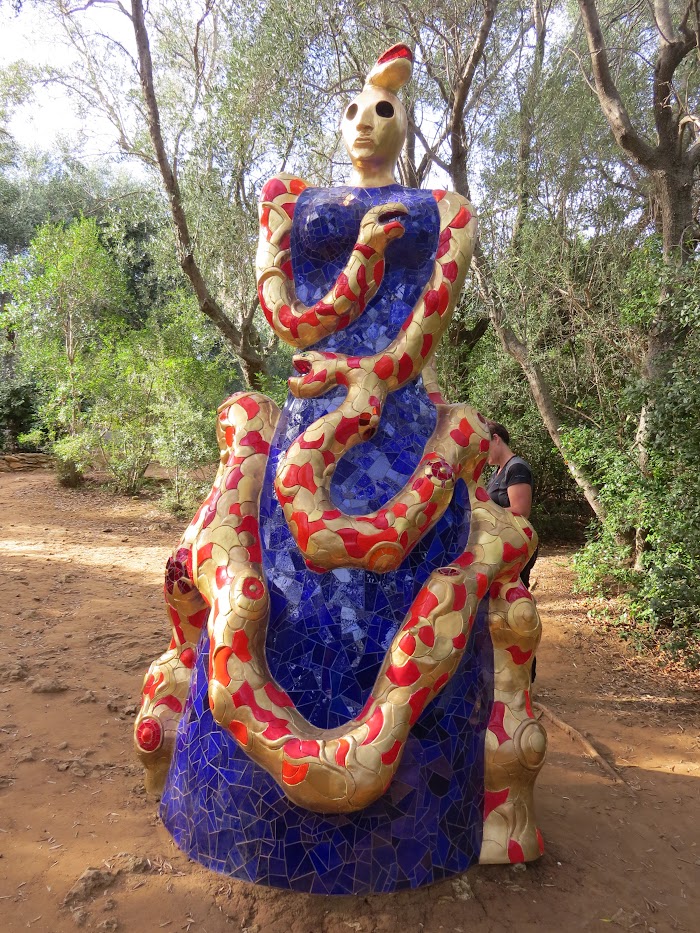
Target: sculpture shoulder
point(456, 212)
point(282, 184)
point(276, 206)
point(454, 199)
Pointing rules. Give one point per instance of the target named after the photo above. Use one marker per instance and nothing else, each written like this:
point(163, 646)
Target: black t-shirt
point(515, 471)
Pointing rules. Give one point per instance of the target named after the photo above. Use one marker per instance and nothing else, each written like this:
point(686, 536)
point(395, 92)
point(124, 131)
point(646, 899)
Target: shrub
point(17, 414)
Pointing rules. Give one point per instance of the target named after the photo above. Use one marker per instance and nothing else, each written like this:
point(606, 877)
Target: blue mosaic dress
point(329, 633)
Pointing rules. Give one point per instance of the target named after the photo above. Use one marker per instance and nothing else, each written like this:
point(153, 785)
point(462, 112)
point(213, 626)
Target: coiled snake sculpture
point(215, 576)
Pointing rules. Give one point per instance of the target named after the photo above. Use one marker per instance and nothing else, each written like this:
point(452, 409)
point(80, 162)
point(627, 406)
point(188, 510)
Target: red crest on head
point(393, 69)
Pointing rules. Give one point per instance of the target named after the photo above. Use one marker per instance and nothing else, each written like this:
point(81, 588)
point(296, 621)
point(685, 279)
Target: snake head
point(318, 373)
point(381, 225)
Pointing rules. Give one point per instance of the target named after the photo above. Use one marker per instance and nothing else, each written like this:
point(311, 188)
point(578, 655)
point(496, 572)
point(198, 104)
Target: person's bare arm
point(520, 498)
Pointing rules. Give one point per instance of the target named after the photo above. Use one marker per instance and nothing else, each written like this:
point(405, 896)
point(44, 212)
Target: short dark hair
point(497, 430)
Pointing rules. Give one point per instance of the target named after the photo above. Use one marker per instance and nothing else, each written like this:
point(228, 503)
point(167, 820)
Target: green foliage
point(17, 414)
point(109, 387)
point(279, 367)
point(185, 435)
point(650, 282)
point(72, 459)
point(118, 425)
point(38, 188)
point(661, 599)
point(154, 399)
point(609, 461)
point(66, 289)
point(67, 296)
point(31, 441)
point(184, 443)
point(276, 388)
point(667, 596)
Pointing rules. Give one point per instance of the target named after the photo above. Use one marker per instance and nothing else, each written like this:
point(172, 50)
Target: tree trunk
point(481, 267)
point(466, 338)
point(673, 189)
point(254, 375)
point(253, 364)
point(407, 162)
point(535, 378)
point(670, 167)
point(527, 126)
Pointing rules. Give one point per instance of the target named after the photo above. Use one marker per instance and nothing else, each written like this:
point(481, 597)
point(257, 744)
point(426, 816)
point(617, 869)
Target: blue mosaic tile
point(328, 633)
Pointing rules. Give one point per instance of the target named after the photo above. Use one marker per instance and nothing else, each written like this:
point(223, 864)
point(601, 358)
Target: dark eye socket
point(351, 111)
point(384, 109)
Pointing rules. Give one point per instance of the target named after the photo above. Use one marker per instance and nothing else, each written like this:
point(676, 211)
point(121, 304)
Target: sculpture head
point(374, 123)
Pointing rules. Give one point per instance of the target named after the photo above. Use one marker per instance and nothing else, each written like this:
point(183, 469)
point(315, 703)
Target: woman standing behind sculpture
point(511, 483)
point(337, 720)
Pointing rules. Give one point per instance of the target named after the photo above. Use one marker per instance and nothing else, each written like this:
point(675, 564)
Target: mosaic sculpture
point(344, 707)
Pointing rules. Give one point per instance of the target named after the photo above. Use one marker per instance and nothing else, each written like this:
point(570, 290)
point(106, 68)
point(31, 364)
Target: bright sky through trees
point(51, 116)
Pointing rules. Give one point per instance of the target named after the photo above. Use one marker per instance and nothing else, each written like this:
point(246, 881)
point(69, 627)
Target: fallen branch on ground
point(588, 747)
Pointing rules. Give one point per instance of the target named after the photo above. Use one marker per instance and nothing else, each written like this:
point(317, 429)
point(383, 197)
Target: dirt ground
point(81, 620)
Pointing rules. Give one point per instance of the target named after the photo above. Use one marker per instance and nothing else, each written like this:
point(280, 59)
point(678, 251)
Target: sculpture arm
point(380, 541)
point(294, 322)
point(423, 329)
point(403, 360)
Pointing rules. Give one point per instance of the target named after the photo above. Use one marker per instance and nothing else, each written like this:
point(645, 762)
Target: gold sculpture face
point(374, 129)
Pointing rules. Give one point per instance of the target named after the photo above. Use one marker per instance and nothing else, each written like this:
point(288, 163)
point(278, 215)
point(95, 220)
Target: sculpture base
point(228, 814)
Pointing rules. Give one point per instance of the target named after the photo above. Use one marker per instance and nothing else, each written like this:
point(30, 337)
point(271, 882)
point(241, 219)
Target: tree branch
point(516, 45)
point(611, 103)
point(430, 151)
point(526, 117)
point(539, 388)
point(466, 338)
point(465, 80)
point(664, 21)
point(669, 58)
point(253, 364)
point(91, 3)
point(458, 167)
point(693, 154)
point(417, 38)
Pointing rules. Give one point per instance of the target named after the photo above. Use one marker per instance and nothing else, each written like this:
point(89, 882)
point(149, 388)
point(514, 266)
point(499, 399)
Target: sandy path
point(81, 620)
